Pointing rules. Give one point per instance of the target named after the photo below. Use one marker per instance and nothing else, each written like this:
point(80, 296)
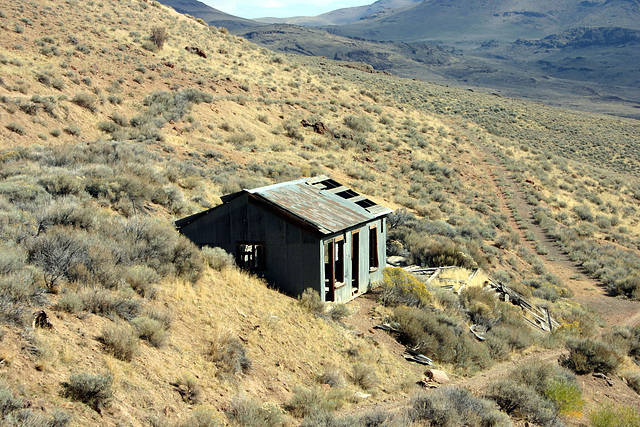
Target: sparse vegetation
point(93, 390)
point(228, 353)
point(138, 139)
point(590, 355)
point(159, 36)
point(120, 340)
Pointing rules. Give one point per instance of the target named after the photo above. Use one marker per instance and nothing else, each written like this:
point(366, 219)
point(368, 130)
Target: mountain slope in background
point(465, 23)
point(343, 16)
point(391, 56)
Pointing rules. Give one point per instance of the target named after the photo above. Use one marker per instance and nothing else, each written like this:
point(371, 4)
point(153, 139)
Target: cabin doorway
point(355, 262)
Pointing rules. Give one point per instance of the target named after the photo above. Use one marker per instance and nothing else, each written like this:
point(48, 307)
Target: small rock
point(360, 396)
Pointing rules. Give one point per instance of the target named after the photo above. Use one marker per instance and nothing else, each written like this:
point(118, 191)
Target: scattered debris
point(41, 320)
point(358, 395)
point(318, 127)
point(609, 380)
point(386, 327)
point(196, 51)
point(413, 356)
point(535, 315)
point(476, 333)
point(188, 394)
point(426, 383)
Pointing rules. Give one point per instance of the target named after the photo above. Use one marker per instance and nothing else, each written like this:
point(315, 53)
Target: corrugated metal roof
point(322, 202)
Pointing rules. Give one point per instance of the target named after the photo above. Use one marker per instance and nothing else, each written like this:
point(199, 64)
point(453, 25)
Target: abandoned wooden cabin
point(308, 233)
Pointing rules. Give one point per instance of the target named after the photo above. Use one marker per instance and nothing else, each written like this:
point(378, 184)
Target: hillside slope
point(108, 135)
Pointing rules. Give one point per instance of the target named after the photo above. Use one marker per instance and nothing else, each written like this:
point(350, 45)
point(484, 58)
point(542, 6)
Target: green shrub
point(292, 130)
point(108, 127)
point(58, 83)
point(313, 400)
point(15, 127)
point(188, 388)
point(72, 130)
point(590, 355)
point(516, 398)
point(246, 411)
point(200, 417)
point(364, 376)
point(56, 252)
point(332, 377)
point(310, 300)
point(120, 119)
point(160, 314)
point(120, 341)
point(633, 380)
point(359, 124)
point(239, 139)
point(450, 407)
point(158, 36)
point(440, 337)
point(566, 394)
point(228, 353)
point(8, 402)
point(85, 100)
point(142, 279)
point(614, 416)
point(105, 303)
point(93, 390)
point(337, 312)
point(401, 288)
point(150, 330)
point(187, 259)
point(71, 303)
point(217, 258)
point(61, 184)
point(481, 305)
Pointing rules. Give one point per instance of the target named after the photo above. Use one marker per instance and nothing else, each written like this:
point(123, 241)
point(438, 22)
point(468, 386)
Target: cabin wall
point(367, 275)
point(290, 253)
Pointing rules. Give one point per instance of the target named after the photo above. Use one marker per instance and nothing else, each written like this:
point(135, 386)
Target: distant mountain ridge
point(465, 22)
point(343, 16)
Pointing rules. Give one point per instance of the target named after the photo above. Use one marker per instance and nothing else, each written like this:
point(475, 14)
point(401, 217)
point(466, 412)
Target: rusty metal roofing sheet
point(315, 204)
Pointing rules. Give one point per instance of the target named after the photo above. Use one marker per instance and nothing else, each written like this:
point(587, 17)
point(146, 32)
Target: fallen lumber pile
point(535, 315)
point(532, 313)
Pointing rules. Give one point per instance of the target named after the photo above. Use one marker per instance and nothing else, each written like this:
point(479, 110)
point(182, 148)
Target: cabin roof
point(318, 202)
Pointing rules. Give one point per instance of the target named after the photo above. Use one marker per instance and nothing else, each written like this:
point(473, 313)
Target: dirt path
point(586, 291)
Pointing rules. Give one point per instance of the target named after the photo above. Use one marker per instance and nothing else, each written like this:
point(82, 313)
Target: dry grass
point(424, 158)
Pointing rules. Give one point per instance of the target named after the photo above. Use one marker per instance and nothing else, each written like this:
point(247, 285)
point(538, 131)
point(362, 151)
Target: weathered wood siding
point(291, 254)
point(367, 277)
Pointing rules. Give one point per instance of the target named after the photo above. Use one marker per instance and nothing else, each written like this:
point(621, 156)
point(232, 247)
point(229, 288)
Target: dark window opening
point(373, 248)
point(355, 261)
point(347, 194)
point(365, 203)
point(330, 183)
point(251, 256)
point(329, 279)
